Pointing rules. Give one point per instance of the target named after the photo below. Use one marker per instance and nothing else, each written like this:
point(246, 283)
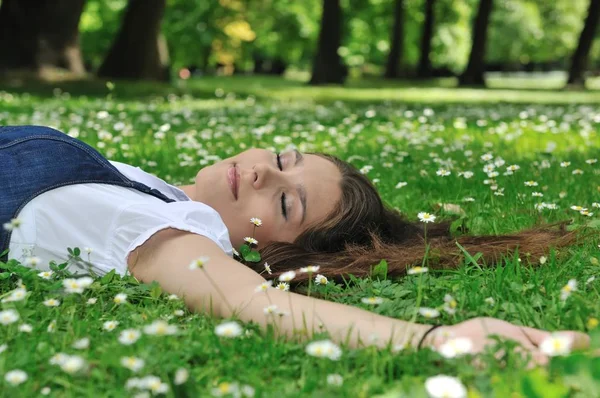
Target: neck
point(188, 190)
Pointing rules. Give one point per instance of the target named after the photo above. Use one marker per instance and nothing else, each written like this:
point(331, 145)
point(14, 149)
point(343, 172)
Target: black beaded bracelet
point(425, 335)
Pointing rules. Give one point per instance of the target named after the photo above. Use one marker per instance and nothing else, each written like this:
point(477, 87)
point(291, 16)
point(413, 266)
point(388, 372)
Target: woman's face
point(308, 184)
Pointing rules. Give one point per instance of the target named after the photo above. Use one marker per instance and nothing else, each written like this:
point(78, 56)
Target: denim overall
point(36, 159)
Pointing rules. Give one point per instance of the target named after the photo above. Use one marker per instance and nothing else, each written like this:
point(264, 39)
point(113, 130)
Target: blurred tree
point(286, 32)
point(191, 27)
point(562, 21)
point(328, 66)
point(273, 36)
point(392, 66)
point(424, 70)
point(37, 34)
point(452, 39)
point(139, 52)
point(580, 57)
point(515, 31)
point(473, 75)
point(99, 25)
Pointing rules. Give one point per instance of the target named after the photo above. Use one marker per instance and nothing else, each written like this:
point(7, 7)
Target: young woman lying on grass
point(315, 209)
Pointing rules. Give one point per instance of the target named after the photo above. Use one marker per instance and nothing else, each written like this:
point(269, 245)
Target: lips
point(234, 181)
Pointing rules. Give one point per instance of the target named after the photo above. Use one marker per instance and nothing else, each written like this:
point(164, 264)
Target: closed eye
point(283, 208)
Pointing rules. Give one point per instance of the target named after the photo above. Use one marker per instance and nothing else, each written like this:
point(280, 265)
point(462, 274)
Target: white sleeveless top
point(110, 220)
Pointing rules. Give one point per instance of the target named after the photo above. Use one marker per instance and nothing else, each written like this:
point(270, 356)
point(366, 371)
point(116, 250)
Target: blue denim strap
point(36, 159)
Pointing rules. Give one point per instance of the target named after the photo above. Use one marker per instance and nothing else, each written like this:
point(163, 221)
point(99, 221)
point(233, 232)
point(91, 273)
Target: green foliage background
point(230, 31)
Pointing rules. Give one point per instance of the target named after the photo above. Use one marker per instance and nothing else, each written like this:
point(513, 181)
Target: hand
point(478, 330)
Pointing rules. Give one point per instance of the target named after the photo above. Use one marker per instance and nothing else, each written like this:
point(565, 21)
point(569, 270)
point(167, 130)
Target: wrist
point(426, 337)
point(433, 335)
point(418, 335)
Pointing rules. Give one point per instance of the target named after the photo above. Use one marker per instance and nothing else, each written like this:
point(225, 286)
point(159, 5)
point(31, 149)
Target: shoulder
point(147, 250)
point(171, 246)
point(145, 228)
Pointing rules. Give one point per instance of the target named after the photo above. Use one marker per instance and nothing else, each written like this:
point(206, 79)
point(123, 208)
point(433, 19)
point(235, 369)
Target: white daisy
point(287, 276)
point(270, 309)
point(251, 241)
point(268, 268)
point(51, 302)
point(426, 217)
point(181, 376)
point(556, 344)
point(324, 349)
point(263, 287)
point(567, 289)
point(73, 364)
point(371, 300)
point(15, 377)
point(310, 268)
point(17, 294)
point(82, 344)
point(455, 347)
point(335, 379)
point(198, 263)
point(129, 336)
point(46, 274)
point(429, 312)
point(110, 325)
point(417, 270)
point(228, 329)
point(443, 386)
point(8, 316)
point(132, 363)
point(160, 328)
point(120, 298)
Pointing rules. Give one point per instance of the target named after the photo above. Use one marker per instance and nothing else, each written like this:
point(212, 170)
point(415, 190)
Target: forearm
point(225, 288)
point(305, 316)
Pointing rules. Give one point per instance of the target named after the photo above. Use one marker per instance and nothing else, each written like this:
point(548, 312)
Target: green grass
point(405, 133)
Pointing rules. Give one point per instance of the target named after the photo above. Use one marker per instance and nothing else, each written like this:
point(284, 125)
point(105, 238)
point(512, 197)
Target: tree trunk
point(424, 69)
point(580, 57)
point(473, 75)
point(392, 67)
point(39, 34)
point(139, 52)
point(328, 66)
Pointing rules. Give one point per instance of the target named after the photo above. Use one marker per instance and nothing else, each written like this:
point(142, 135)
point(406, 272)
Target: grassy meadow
point(401, 137)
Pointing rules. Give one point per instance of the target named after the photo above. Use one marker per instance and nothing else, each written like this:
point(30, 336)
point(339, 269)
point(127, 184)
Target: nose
point(264, 174)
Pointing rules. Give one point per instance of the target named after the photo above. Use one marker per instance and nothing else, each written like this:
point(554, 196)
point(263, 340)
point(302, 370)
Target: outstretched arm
point(224, 287)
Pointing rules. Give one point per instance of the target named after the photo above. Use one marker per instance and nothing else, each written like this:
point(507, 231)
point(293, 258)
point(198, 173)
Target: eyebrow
point(300, 189)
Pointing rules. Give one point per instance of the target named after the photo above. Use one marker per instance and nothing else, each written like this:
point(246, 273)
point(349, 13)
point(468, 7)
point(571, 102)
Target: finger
point(580, 340)
point(529, 352)
point(478, 363)
point(534, 336)
point(537, 359)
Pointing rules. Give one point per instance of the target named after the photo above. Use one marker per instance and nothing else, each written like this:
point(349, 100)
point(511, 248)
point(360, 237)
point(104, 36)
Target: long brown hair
point(362, 230)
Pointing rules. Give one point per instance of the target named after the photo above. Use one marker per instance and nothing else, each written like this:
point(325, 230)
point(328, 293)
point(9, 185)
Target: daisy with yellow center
point(251, 241)
point(199, 263)
point(417, 270)
point(426, 217)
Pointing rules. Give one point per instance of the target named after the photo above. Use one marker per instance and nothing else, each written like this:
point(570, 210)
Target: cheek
point(264, 233)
